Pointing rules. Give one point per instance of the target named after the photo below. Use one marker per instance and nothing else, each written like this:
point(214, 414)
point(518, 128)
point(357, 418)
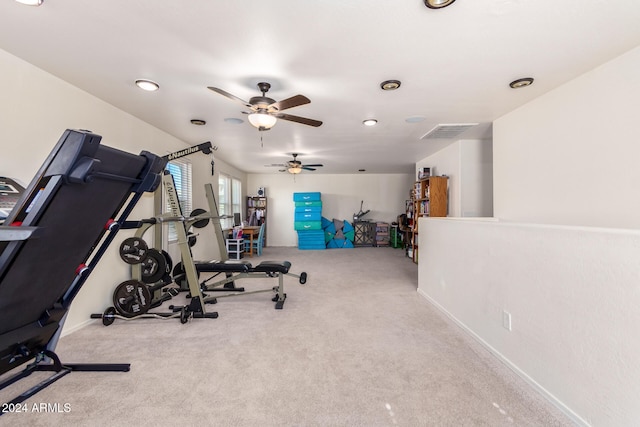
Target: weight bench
point(187, 275)
point(237, 270)
point(53, 239)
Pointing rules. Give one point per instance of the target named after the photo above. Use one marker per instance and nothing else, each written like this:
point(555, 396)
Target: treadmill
point(52, 239)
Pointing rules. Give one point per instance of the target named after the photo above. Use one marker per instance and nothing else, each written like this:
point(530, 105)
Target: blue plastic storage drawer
point(313, 204)
point(305, 207)
point(308, 216)
point(307, 225)
point(306, 197)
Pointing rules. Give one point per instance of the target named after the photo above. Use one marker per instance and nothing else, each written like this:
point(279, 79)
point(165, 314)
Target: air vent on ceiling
point(447, 131)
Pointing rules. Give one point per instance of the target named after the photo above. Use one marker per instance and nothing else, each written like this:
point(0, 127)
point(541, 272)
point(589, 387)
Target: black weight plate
point(303, 278)
point(184, 315)
point(154, 266)
point(107, 316)
point(200, 223)
point(178, 270)
point(167, 257)
point(133, 250)
point(132, 298)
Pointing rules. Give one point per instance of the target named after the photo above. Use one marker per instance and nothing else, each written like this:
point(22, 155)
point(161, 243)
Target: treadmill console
point(10, 193)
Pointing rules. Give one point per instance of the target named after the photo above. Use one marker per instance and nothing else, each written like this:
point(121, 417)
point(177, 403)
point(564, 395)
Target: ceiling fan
point(295, 166)
point(265, 111)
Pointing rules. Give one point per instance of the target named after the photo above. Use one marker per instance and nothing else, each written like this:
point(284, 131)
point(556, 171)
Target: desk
point(251, 231)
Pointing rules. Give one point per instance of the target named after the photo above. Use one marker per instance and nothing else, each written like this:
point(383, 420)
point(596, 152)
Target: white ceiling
point(455, 65)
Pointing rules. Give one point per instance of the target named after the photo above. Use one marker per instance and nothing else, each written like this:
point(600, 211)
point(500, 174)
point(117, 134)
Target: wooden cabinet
point(428, 199)
point(257, 213)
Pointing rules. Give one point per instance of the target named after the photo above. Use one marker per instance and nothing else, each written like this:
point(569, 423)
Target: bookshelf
point(428, 199)
point(257, 213)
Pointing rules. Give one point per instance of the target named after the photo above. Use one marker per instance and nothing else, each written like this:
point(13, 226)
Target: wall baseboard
point(74, 328)
point(541, 390)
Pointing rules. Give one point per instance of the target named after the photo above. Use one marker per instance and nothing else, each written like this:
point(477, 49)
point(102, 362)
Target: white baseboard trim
point(546, 394)
point(68, 331)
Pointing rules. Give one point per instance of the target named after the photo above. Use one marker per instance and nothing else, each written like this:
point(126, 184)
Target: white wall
point(571, 156)
point(469, 166)
point(573, 297)
point(384, 195)
point(476, 180)
point(35, 110)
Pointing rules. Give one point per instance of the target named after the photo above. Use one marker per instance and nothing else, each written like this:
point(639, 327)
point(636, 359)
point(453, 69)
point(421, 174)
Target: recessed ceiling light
point(31, 2)
point(198, 122)
point(437, 4)
point(390, 84)
point(362, 170)
point(521, 83)
point(148, 85)
point(370, 122)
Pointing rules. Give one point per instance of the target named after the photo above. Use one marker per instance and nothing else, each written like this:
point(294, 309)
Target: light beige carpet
point(355, 346)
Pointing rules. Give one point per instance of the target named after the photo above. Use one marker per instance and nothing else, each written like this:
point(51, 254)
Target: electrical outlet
point(506, 320)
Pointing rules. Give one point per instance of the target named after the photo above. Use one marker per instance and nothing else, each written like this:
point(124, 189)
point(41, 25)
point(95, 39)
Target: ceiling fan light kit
point(295, 166)
point(438, 4)
point(262, 121)
point(264, 112)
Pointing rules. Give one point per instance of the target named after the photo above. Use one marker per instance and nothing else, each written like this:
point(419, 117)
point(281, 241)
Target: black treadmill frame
point(77, 166)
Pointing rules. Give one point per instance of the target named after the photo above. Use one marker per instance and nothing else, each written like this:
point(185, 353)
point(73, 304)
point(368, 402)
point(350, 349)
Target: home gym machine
point(232, 269)
point(187, 272)
point(134, 298)
point(151, 268)
point(51, 241)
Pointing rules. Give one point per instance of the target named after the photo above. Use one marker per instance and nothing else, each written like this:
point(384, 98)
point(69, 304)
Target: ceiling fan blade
point(294, 101)
point(279, 165)
point(298, 119)
point(228, 95)
point(316, 165)
point(308, 168)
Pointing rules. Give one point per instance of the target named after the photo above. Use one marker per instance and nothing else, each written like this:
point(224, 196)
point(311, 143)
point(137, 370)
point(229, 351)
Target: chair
point(258, 243)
